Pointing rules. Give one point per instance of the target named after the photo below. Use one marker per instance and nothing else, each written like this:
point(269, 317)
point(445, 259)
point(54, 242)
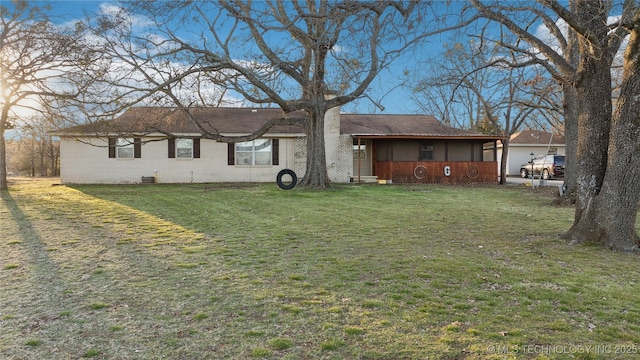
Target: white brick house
point(164, 145)
point(137, 145)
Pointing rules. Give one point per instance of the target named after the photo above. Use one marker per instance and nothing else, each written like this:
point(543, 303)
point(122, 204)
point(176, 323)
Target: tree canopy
point(298, 55)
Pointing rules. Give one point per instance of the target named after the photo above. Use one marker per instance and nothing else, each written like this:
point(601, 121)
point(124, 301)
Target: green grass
point(357, 272)
point(91, 353)
point(98, 306)
point(33, 343)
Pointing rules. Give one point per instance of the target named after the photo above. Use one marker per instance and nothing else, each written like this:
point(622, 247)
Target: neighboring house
point(522, 144)
point(164, 145)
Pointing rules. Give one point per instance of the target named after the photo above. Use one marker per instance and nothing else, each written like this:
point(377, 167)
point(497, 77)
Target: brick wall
point(87, 161)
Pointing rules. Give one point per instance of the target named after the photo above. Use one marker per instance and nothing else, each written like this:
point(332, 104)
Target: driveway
point(517, 180)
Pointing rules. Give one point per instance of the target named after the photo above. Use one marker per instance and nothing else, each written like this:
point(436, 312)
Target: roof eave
point(158, 134)
point(418, 136)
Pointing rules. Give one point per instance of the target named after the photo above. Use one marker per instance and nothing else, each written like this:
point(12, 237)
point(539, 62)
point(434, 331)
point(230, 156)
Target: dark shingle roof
point(144, 120)
point(375, 125)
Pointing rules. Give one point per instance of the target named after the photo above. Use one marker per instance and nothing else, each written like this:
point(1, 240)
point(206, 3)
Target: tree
point(440, 92)
point(42, 150)
point(39, 62)
point(307, 56)
point(495, 98)
point(606, 164)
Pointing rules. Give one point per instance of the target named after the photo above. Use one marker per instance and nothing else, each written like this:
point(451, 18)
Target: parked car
point(549, 166)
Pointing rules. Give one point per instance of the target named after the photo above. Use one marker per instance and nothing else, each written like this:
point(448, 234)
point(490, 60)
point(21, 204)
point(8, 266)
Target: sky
point(387, 88)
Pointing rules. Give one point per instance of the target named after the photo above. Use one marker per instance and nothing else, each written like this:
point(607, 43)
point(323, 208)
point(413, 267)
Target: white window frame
point(124, 144)
point(181, 144)
point(251, 148)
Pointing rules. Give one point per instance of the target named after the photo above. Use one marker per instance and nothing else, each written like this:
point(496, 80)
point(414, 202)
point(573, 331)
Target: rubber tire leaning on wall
point(294, 179)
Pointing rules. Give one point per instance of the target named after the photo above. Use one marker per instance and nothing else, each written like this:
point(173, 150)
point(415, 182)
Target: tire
point(545, 174)
point(284, 186)
point(524, 174)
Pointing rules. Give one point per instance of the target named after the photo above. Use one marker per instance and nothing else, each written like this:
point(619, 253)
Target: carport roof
point(403, 126)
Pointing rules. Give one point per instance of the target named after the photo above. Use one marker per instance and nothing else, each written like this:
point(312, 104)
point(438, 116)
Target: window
point(426, 151)
point(184, 148)
point(256, 152)
point(125, 148)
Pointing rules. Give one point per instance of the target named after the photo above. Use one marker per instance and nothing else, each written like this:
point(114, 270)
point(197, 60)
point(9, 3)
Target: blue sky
point(386, 88)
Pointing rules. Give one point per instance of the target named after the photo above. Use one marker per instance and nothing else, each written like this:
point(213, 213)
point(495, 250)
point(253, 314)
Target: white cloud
point(118, 13)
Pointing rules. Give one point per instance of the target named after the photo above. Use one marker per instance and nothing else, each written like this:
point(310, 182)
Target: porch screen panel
point(460, 151)
point(405, 151)
point(383, 151)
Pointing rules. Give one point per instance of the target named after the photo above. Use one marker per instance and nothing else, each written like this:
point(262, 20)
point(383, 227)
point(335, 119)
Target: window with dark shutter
point(275, 152)
point(172, 147)
point(137, 148)
point(112, 148)
point(231, 154)
point(196, 148)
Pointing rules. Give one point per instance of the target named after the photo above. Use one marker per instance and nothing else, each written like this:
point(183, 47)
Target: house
point(163, 145)
point(522, 144)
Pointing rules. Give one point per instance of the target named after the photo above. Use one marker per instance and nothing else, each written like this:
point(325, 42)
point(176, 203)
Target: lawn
point(226, 271)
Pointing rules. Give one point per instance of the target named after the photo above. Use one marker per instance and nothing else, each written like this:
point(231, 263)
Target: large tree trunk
point(618, 201)
point(594, 124)
point(316, 175)
point(607, 152)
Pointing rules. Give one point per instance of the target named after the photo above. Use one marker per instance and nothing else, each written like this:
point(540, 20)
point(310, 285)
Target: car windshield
point(559, 160)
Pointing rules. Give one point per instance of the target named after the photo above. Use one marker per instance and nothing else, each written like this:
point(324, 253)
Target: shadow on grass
point(46, 274)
